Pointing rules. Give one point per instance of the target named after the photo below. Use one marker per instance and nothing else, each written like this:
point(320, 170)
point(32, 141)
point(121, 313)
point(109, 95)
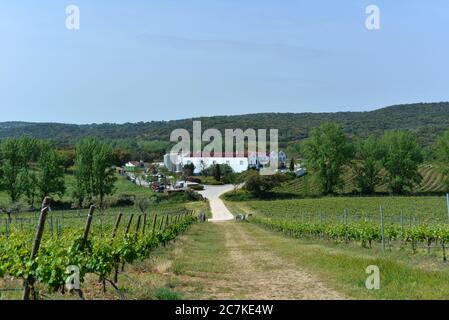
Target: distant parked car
point(300, 172)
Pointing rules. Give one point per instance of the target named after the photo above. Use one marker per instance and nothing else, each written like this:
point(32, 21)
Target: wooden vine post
point(128, 227)
point(114, 233)
point(139, 218)
point(154, 224)
point(382, 228)
point(144, 224)
point(88, 225)
point(28, 284)
point(161, 223)
point(117, 223)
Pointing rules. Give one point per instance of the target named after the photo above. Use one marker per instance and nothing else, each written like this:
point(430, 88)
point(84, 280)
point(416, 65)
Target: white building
point(175, 162)
point(261, 160)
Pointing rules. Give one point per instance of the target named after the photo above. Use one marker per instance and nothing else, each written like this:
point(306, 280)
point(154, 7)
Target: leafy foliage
point(94, 174)
point(97, 256)
point(149, 140)
point(368, 164)
point(50, 178)
point(402, 157)
point(259, 185)
point(327, 150)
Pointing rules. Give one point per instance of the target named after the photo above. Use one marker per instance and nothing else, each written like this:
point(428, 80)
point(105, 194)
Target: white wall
point(238, 164)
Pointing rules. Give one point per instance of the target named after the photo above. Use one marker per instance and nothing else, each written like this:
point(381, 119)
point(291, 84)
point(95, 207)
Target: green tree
point(295, 149)
point(50, 176)
point(29, 184)
point(95, 176)
point(402, 157)
point(327, 150)
point(216, 172)
point(220, 172)
point(260, 185)
point(292, 164)
point(442, 156)
point(367, 164)
point(187, 170)
point(16, 155)
point(228, 175)
point(84, 169)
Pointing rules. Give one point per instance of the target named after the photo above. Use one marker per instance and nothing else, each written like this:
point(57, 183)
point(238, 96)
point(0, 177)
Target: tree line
point(393, 158)
point(33, 169)
point(150, 140)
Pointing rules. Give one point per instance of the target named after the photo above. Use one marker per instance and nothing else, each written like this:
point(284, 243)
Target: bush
point(214, 183)
point(259, 185)
point(61, 204)
point(190, 195)
point(123, 200)
point(192, 179)
point(240, 195)
point(197, 187)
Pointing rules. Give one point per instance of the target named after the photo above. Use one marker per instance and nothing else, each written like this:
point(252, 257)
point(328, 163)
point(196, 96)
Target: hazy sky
point(169, 59)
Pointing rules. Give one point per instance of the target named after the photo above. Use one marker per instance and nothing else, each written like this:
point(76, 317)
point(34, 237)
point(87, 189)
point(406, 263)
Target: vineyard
point(406, 224)
point(432, 183)
point(39, 249)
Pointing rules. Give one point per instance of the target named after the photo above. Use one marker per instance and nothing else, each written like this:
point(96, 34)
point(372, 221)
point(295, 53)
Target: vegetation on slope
point(427, 120)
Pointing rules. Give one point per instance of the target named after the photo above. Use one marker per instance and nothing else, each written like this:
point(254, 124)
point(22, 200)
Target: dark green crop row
point(366, 233)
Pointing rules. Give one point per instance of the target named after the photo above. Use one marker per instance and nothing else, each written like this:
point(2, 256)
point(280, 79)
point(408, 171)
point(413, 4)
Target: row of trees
point(34, 168)
point(95, 176)
point(393, 158)
point(31, 168)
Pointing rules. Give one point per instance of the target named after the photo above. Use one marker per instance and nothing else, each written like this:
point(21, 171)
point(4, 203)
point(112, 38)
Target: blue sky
point(160, 60)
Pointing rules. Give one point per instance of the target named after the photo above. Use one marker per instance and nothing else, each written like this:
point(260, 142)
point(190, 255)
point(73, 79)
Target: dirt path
point(219, 210)
point(232, 260)
point(262, 274)
point(254, 270)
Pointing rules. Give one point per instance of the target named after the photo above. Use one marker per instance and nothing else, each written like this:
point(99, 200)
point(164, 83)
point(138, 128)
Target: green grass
point(199, 266)
point(343, 267)
point(164, 293)
point(184, 269)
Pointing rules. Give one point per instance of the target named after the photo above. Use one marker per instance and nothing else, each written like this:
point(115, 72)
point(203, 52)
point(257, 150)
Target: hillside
point(432, 183)
point(426, 119)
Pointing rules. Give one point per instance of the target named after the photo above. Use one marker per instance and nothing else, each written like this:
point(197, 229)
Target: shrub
point(197, 187)
point(191, 195)
point(163, 293)
point(192, 179)
point(259, 185)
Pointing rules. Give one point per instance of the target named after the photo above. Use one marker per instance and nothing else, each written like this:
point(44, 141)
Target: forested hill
point(427, 120)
